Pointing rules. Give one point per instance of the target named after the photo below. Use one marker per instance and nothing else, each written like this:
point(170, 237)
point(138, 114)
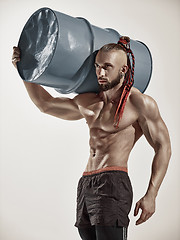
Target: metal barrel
point(58, 51)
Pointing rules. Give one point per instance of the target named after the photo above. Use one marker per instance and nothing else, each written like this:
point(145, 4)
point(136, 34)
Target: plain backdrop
point(42, 157)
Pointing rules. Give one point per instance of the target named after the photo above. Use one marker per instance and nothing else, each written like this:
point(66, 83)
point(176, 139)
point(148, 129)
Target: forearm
point(38, 95)
point(159, 168)
point(64, 108)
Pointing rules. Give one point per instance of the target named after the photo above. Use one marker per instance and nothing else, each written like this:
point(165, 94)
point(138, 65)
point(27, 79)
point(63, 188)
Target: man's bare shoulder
point(86, 98)
point(144, 104)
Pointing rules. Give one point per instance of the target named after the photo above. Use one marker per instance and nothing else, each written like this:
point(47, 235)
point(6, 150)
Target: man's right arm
point(64, 108)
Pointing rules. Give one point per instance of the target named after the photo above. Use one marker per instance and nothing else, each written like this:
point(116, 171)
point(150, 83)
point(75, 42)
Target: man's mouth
point(101, 80)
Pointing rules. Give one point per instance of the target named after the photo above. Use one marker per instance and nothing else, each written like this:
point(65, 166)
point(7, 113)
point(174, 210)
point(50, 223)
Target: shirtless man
point(104, 194)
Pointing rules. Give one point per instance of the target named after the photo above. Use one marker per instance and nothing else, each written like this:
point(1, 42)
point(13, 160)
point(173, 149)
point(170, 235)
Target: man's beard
point(112, 84)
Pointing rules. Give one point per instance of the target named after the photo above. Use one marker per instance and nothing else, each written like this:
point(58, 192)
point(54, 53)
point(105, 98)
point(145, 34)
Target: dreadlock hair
point(124, 45)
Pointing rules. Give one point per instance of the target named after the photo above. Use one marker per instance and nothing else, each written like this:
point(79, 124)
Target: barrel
point(59, 51)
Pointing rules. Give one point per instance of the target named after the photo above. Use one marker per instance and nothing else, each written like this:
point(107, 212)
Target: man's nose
point(101, 72)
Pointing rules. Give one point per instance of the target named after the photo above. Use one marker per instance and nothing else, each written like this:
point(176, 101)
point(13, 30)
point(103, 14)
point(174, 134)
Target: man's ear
point(124, 69)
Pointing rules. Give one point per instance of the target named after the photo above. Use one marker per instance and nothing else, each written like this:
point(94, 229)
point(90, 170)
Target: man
point(117, 117)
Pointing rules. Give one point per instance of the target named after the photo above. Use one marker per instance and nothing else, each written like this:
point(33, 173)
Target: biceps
point(63, 108)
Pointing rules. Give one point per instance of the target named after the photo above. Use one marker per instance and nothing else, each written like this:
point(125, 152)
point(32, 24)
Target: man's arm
point(157, 135)
point(64, 108)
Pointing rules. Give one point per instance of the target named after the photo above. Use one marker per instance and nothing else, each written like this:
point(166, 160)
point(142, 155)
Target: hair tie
point(125, 42)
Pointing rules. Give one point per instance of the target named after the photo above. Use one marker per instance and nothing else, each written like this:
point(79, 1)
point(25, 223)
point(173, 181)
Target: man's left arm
point(157, 135)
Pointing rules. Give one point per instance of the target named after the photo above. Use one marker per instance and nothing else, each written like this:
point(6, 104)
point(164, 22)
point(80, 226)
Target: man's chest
point(101, 115)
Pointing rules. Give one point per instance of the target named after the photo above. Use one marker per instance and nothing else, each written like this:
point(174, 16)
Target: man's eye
point(96, 65)
point(108, 66)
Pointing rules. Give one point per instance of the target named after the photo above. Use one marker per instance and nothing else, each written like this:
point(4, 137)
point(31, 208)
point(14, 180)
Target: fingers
point(16, 49)
point(14, 61)
point(16, 52)
point(143, 218)
point(147, 208)
point(147, 205)
point(136, 210)
point(15, 56)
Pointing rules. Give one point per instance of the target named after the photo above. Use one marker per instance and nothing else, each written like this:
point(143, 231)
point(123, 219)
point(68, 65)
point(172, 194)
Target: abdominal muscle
point(110, 148)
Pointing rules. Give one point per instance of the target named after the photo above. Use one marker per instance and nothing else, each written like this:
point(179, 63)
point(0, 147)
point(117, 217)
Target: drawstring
point(127, 84)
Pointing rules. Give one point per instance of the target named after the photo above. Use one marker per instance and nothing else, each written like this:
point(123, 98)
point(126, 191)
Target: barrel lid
point(37, 44)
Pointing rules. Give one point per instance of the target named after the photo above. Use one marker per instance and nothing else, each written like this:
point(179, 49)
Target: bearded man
point(117, 117)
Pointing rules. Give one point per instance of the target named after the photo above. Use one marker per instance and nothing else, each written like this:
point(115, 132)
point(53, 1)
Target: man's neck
point(112, 95)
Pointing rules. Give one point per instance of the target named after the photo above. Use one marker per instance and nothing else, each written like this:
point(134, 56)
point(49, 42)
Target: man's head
point(111, 66)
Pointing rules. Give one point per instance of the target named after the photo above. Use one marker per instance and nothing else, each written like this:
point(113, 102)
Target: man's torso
point(109, 146)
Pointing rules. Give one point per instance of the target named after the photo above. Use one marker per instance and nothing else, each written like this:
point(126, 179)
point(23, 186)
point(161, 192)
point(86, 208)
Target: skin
point(110, 146)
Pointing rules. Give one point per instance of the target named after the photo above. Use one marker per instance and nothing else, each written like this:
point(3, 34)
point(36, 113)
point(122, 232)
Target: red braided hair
point(128, 82)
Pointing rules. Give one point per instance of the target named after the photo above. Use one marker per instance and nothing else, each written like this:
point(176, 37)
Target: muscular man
point(104, 193)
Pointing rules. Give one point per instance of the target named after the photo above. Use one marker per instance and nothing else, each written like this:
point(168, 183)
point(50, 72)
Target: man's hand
point(147, 204)
point(15, 56)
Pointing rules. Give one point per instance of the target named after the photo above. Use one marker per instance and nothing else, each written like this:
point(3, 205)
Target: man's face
point(108, 68)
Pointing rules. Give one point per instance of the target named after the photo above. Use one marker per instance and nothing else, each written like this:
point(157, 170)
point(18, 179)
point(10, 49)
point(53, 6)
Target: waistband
point(112, 168)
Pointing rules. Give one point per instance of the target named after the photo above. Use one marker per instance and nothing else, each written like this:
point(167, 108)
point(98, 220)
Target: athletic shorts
point(104, 197)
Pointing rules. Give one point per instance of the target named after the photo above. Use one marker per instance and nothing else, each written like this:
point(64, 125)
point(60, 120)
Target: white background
point(42, 158)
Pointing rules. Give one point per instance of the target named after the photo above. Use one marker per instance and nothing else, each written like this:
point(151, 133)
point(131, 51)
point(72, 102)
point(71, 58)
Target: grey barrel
point(58, 51)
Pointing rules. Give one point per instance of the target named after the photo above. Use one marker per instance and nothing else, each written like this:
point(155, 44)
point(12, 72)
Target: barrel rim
point(151, 69)
point(27, 22)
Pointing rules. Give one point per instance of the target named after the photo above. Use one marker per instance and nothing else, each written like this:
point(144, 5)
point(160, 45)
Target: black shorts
point(104, 197)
